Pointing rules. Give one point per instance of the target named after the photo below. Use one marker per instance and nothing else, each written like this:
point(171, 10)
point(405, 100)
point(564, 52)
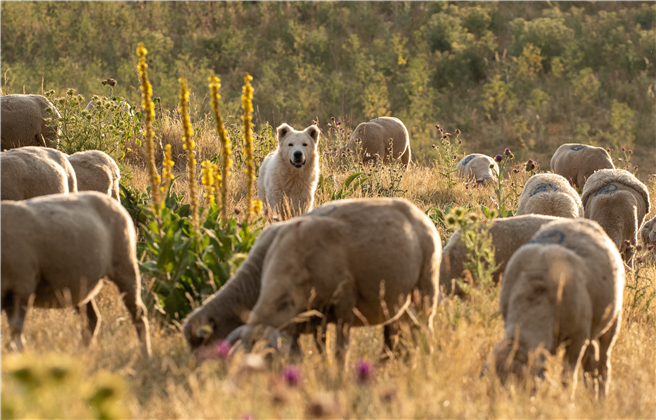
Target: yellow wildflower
point(168, 164)
point(149, 115)
point(189, 146)
point(207, 178)
point(257, 207)
point(226, 162)
point(246, 101)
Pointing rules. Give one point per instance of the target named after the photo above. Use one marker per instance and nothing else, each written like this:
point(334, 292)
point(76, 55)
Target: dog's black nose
point(298, 156)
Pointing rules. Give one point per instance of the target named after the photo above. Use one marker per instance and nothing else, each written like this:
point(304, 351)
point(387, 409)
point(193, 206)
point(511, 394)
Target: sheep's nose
point(298, 156)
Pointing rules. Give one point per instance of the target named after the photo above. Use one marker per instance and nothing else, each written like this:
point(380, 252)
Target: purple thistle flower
point(498, 158)
point(432, 146)
point(292, 376)
point(441, 129)
point(455, 157)
point(458, 131)
point(459, 141)
point(364, 371)
point(623, 148)
point(437, 126)
point(530, 165)
point(222, 349)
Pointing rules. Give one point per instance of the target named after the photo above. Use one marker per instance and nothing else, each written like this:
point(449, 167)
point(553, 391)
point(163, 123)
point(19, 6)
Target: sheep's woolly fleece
point(602, 182)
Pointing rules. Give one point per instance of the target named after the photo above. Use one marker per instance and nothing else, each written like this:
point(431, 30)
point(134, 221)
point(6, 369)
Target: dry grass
point(440, 383)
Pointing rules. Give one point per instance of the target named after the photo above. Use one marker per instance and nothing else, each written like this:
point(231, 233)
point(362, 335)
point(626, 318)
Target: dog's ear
point(314, 132)
point(283, 130)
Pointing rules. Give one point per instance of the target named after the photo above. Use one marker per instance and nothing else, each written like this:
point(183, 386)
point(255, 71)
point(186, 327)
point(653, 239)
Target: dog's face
point(297, 147)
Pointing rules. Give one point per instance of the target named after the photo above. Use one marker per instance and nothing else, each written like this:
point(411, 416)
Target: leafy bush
point(181, 266)
point(111, 125)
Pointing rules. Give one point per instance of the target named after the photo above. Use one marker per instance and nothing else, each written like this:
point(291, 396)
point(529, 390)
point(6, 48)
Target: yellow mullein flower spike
point(149, 115)
point(189, 146)
point(247, 105)
point(226, 149)
point(167, 164)
point(207, 179)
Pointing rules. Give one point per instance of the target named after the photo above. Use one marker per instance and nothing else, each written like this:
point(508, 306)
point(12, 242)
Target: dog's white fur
point(289, 175)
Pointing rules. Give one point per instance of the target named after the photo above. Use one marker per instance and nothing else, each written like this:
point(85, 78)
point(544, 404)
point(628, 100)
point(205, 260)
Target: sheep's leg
point(16, 311)
point(128, 283)
point(342, 340)
point(91, 325)
point(574, 354)
point(606, 342)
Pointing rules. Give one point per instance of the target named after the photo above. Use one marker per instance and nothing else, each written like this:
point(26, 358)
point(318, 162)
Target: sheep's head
point(205, 326)
point(513, 358)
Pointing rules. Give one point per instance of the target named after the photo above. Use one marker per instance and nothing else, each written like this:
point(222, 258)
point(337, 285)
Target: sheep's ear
point(314, 132)
point(283, 130)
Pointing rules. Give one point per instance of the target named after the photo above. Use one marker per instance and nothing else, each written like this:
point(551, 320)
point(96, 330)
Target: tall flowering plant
point(246, 99)
point(149, 115)
point(221, 182)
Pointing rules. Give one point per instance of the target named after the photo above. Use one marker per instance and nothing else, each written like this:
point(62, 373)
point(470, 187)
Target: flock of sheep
point(561, 260)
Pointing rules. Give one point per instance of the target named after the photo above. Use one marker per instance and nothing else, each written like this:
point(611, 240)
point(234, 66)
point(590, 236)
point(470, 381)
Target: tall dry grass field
point(438, 377)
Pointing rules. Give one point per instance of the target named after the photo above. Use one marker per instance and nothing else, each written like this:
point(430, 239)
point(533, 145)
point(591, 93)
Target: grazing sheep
point(289, 175)
point(648, 232)
point(228, 308)
point(619, 202)
point(23, 122)
point(375, 137)
point(96, 171)
point(59, 248)
point(577, 162)
point(562, 288)
point(29, 172)
point(334, 260)
point(508, 234)
point(481, 168)
point(551, 195)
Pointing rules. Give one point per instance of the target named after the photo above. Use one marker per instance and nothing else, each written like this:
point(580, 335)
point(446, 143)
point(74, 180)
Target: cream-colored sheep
point(562, 288)
point(508, 234)
point(29, 172)
point(648, 232)
point(289, 175)
point(59, 248)
point(96, 171)
point(334, 259)
point(23, 122)
point(551, 195)
point(619, 202)
point(375, 137)
point(481, 168)
point(577, 162)
point(228, 308)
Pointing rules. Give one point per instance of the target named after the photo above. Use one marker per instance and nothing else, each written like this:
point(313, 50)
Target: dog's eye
point(304, 144)
point(291, 144)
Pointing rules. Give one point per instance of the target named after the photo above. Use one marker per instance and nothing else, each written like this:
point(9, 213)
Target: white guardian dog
point(289, 175)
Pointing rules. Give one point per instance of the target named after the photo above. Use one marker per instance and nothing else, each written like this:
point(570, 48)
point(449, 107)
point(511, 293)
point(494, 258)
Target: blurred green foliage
point(526, 75)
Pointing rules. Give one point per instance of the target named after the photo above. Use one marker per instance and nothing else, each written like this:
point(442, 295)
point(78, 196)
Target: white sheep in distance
point(551, 195)
point(577, 162)
point(59, 248)
point(483, 169)
point(24, 121)
point(96, 171)
point(29, 172)
point(648, 232)
point(508, 234)
point(334, 259)
point(562, 288)
point(378, 136)
point(619, 202)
